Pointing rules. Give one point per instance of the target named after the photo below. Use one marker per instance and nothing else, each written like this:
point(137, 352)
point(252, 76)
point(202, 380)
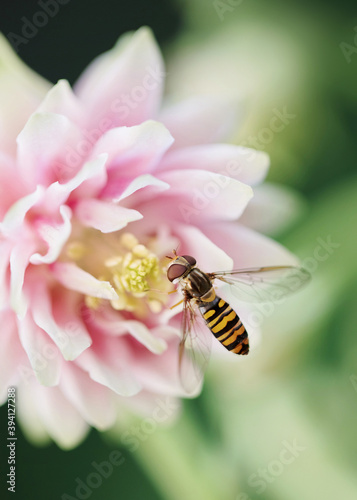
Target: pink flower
point(97, 186)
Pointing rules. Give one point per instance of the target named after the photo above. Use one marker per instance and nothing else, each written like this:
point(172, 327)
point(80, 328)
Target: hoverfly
point(259, 284)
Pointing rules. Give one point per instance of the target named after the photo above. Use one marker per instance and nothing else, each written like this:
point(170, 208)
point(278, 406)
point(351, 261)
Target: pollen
point(133, 268)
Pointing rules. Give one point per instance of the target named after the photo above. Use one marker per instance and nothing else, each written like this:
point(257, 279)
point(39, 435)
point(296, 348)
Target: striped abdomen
point(225, 325)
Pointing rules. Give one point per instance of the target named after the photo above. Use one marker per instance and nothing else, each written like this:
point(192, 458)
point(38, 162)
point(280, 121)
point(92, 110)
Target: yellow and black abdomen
point(225, 325)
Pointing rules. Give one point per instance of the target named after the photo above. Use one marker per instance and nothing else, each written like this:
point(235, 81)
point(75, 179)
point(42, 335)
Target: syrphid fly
point(259, 284)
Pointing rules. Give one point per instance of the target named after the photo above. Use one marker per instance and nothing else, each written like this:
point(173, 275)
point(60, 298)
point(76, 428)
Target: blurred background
point(281, 425)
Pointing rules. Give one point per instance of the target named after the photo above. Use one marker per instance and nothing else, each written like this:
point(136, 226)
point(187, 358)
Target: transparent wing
point(194, 348)
point(264, 284)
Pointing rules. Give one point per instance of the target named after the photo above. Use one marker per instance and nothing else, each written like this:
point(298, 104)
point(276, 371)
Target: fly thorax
point(198, 283)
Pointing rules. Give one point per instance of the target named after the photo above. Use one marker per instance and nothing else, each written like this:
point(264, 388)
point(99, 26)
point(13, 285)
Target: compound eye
point(176, 271)
point(190, 260)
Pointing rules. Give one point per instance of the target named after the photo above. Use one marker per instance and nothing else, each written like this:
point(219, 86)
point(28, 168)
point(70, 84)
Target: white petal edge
point(16, 214)
point(141, 182)
point(92, 171)
point(74, 278)
point(207, 195)
point(55, 236)
point(138, 330)
point(119, 378)
point(70, 342)
point(106, 217)
point(241, 163)
point(42, 353)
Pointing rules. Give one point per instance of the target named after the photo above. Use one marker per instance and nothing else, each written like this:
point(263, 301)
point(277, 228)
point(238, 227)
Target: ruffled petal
point(141, 182)
point(199, 121)
point(86, 183)
point(124, 85)
point(69, 340)
point(44, 356)
point(200, 194)
point(45, 147)
point(16, 214)
point(243, 164)
point(93, 401)
point(136, 329)
point(74, 278)
point(132, 151)
point(115, 374)
point(19, 261)
point(55, 236)
point(106, 217)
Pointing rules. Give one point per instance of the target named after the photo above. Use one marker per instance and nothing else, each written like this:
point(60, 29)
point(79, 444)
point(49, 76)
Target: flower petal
point(11, 353)
point(74, 278)
point(11, 187)
point(141, 182)
point(135, 328)
point(94, 402)
point(16, 214)
point(5, 252)
point(42, 353)
point(87, 182)
point(59, 417)
point(132, 151)
point(106, 217)
point(199, 121)
point(272, 209)
point(24, 90)
point(244, 164)
point(201, 194)
point(193, 241)
point(61, 100)
point(44, 148)
point(118, 377)
point(249, 248)
point(19, 261)
point(123, 86)
point(69, 340)
point(55, 235)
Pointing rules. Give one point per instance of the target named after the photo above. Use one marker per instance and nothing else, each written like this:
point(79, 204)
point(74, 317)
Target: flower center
point(133, 269)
